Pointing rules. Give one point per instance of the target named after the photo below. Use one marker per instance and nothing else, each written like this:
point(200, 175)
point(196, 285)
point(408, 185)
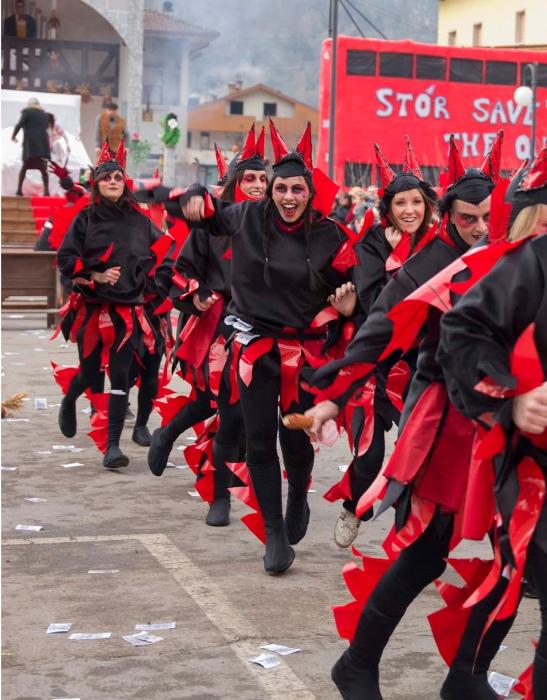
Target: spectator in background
point(36, 150)
point(20, 25)
point(343, 209)
point(57, 134)
point(110, 126)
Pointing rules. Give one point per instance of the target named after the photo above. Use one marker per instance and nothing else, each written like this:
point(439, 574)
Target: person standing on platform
point(36, 151)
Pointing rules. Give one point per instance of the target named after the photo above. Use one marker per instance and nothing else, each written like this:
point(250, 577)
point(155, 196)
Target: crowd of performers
point(293, 327)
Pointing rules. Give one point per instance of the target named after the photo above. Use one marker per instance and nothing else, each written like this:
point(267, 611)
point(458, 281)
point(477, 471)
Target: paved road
point(170, 567)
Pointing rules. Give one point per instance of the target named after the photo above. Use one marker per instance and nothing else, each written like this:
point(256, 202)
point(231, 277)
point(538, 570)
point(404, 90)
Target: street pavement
point(163, 564)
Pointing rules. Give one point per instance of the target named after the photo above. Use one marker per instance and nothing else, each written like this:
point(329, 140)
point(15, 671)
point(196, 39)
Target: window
point(541, 75)
point(361, 62)
point(396, 65)
point(236, 107)
point(270, 109)
point(357, 174)
point(501, 72)
point(431, 67)
point(465, 70)
point(477, 34)
point(520, 19)
point(204, 140)
point(452, 38)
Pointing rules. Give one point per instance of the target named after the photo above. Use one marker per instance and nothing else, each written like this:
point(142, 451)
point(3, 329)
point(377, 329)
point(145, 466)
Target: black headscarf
point(403, 182)
point(519, 198)
point(473, 188)
point(292, 165)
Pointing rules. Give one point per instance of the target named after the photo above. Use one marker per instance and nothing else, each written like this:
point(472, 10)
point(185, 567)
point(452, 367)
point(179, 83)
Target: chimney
point(239, 85)
point(231, 88)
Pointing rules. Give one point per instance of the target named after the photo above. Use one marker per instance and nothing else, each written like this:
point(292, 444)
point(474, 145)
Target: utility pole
point(333, 31)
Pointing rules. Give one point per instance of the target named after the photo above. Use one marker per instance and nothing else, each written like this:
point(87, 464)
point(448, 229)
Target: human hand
point(14, 139)
point(110, 276)
point(393, 236)
point(321, 413)
point(344, 299)
point(203, 305)
point(530, 410)
point(194, 209)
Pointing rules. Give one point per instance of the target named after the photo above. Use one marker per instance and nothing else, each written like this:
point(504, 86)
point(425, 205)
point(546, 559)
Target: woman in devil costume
point(428, 467)
point(206, 263)
point(406, 209)
point(494, 353)
point(107, 252)
point(283, 270)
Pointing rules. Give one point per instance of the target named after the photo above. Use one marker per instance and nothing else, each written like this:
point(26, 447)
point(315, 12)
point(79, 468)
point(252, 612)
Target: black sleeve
point(19, 125)
point(479, 333)
point(43, 239)
point(69, 255)
point(193, 260)
point(370, 275)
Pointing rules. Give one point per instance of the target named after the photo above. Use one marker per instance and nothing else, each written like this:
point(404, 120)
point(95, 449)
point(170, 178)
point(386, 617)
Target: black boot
point(158, 454)
point(114, 458)
point(297, 515)
point(540, 676)
point(356, 683)
point(219, 513)
point(141, 435)
point(67, 417)
point(266, 480)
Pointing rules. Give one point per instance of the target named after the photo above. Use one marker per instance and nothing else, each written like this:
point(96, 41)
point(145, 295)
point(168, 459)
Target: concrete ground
point(167, 566)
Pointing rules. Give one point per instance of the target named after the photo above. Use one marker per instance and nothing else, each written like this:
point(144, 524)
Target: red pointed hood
point(387, 175)
point(121, 154)
point(492, 163)
point(222, 165)
point(410, 163)
point(105, 155)
point(279, 146)
point(536, 177)
point(249, 147)
point(304, 147)
point(456, 168)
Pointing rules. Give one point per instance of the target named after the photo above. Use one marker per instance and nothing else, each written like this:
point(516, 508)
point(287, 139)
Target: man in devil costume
point(493, 351)
point(283, 270)
point(406, 209)
point(205, 264)
point(107, 252)
point(427, 418)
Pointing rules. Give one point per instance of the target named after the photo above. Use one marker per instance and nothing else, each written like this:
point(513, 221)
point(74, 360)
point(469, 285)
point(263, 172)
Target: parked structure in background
point(227, 120)
point(498, 23)
point(126, 51)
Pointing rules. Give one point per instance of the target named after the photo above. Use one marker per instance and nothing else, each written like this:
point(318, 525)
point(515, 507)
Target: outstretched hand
point(322, 412)
point(344, 299)
point(530, 410)
point(194, 209)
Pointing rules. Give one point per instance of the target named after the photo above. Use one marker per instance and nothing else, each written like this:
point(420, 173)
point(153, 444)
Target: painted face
point(470, 220)
point(541, 226)
point(254, 183)
point(111, 186)
point(407, 210)
point(291, 196)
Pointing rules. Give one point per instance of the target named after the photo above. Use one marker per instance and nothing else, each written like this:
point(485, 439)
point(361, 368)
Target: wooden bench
point(30, 282)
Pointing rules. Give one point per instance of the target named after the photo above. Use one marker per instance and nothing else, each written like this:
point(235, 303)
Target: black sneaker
point(67, 418)
point(355, 683)
point(141, 435)
point(158, 454)
point(114, 458)
point(219, 513)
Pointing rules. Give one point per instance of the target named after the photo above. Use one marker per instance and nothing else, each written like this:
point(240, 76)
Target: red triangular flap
point(278, 144)
point(456, 168)
point(121, 154)
point(325, 192)
point(492, 163)
point(537, 175)
point(105, 155)
point(410, 163)
point(260, 143)
point(500, 212)
point(304, 147)
point(387, 175)
point(222, 165)
point(249, 147)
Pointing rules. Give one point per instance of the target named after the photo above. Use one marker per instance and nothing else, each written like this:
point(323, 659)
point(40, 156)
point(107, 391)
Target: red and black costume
point(426, 475)
point(107, 322)
point(494, 347)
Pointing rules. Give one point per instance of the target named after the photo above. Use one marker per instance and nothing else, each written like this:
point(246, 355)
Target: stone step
point(16, 216)
point(21, 225)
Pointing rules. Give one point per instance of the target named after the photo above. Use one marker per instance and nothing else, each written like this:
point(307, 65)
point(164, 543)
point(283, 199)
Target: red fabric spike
point(399, 254)
point(410, 163)
point(222, 165)
point(209, 206)
point(500, 213)
point(160, 248)
point(524, 686)
point(169, 406)
point(78, 265)
point(304, 147)
point(344, 379)
point(250, 355)
point(260, 143)
point(105, 154)
point(62, 217)
point(91, 333)
point(341, 491)
point(227, 255)
point(64, 375)
point(345, 258)
point(279, 146)
point(178, 229)
point(325, 192)
point(492, 163)
point(107, 253)
point(99, 421)
point(537, 175)
point(198, 334)
point(397, 382)
point(125, 314)
point(239, 195)
point(525, 362)
point(456, 168)
point(164, 308)
point(291, 364)
point(121, 154)
point(247, 496)
point(249, 147)
point(218, 356)
point(107, 334)
point(387, 175)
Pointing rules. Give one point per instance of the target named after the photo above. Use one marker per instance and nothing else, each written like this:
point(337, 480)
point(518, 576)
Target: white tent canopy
point(66, 109)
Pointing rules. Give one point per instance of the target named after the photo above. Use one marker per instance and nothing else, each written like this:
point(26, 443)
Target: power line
point(367, 20)
point(355, 24)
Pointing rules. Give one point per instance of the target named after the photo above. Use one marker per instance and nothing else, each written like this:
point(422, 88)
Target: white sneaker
point(346, 528)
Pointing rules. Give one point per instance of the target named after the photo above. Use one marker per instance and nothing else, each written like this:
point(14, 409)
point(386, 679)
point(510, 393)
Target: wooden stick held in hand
point(297, 421)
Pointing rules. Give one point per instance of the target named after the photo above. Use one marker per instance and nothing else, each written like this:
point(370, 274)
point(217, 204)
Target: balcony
point(70, 67)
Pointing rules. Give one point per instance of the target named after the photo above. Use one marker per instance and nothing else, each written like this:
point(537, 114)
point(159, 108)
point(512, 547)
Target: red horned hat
point(410, 163)
point(387, 175)
point(279, 146)
point(536, 177)
point(304, 147)
point(456, 168)
point(222, 165)
point(492, 163)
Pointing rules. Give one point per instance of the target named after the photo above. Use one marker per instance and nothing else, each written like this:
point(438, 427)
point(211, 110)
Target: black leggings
point(537, 563)
point(148, 369)
point(120, 363)
point(34, 164)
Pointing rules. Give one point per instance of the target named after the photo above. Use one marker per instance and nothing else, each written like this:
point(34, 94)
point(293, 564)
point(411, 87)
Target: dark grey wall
point(277, 42)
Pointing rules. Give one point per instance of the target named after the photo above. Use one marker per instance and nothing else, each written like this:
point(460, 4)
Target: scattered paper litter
point(343, 467)
point(42, 452)
point(69, 465)
point(181, 466)
point(194, 494)
point(90, 635)
point(266, 660)
point(280, 649)
point(312, 490)
point(190, 439)
point(154, 626)
point(35, 499)
point(103, 571)
point(76, 449)
point(63, 345)
point(18, 364)
point(503, 685)
point(57, 627)
point(16, 420)
point(65, 698)
point(10, 353)
point(9, 469)
point(30, 528)
point(85, 410)
point(62, 447)
point(142, 639)
point(40, 404)
point(38, 349)
point(502, 648)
